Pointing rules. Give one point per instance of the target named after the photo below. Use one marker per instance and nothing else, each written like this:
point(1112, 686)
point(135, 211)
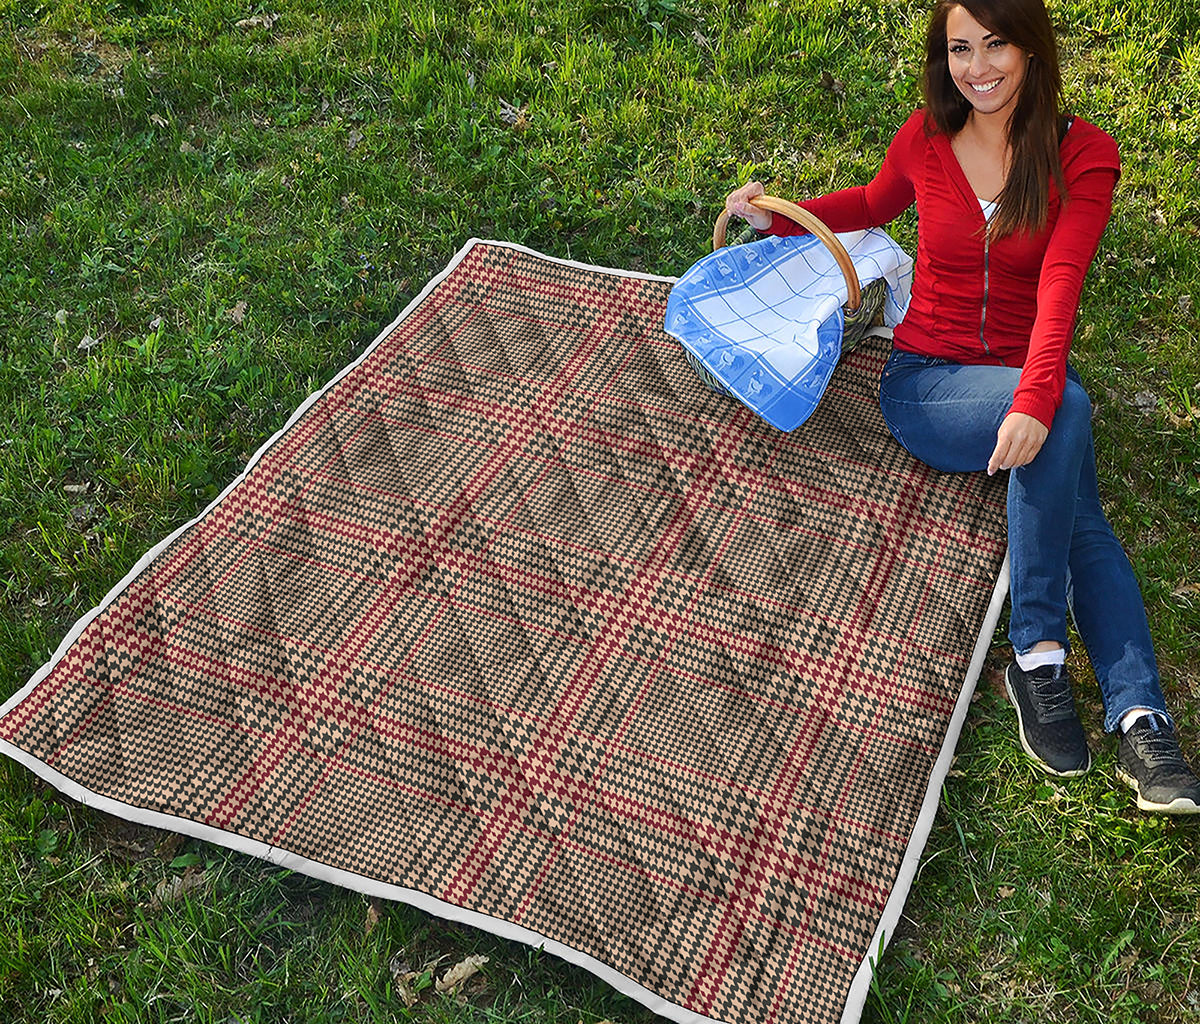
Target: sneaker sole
point(1074, 773)
point(1180, 805)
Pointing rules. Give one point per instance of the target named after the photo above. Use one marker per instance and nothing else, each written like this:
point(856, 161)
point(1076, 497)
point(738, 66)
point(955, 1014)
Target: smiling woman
point(1012, 198)
point(997, 90)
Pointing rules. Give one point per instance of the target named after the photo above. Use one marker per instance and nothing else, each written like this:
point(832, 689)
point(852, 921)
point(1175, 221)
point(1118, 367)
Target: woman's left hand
point(1018, 441)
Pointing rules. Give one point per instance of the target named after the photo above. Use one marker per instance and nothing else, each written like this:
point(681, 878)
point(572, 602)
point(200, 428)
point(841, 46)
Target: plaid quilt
point(519, 622)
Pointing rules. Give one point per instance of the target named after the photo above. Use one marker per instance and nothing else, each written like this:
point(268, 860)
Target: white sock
point(1130, 717)
point(1028, 662)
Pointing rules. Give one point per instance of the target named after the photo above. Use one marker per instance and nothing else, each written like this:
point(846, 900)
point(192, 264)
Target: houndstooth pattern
point(519, 615)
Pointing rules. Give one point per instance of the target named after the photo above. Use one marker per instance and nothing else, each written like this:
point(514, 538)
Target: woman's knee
point(1071, 432)
point(1073, 421)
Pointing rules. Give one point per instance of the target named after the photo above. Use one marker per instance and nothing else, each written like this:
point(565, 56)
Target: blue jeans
point(1062, 549)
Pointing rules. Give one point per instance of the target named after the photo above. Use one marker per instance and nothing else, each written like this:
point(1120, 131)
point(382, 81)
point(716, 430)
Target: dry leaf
point(238, 313)
point(374, 912)
point(460, 972)
point(1005, 891)
point(832, 84)
point(127, 849)
point(171, 889)
point(402, 976)
point(158, 120)
point(186, 147)
point(407, 992)
point(87, 341)
point(514, 116)
point(1146, 401)
point(257, 21)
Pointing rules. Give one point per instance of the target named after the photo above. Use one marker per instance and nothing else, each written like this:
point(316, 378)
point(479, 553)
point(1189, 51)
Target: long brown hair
point(1036, 124)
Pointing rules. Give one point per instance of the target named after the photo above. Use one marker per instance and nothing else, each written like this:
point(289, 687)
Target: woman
point(1012, 198)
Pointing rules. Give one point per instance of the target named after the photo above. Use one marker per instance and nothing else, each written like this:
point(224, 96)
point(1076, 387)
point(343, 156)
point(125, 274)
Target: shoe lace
point(1159, 749)
point(1053, 693)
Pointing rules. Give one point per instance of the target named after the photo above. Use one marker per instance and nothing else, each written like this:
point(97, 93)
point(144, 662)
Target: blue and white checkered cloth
point(766, 318)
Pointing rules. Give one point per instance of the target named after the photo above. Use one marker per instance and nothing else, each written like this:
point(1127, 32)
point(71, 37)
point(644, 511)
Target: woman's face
point(988, 70)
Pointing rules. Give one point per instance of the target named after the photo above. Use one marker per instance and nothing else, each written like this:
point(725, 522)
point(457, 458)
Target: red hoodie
point(1010, 301)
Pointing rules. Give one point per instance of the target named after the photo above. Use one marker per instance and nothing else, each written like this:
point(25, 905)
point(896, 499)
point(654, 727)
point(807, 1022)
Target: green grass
point(233, 214)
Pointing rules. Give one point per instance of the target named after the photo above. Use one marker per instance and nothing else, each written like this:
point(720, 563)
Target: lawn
point(207, 209)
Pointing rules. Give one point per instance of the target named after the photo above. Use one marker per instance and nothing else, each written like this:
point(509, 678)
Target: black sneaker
point(1051, 732)
point(1149, 760)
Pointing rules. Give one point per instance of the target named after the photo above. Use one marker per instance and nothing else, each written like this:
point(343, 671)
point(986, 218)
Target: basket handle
point(805, 219)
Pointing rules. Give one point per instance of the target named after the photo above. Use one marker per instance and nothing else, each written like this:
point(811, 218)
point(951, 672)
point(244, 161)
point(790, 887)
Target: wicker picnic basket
point(862, 308)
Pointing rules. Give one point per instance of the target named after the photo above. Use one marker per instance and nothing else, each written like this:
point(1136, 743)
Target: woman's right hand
point(737, 203)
